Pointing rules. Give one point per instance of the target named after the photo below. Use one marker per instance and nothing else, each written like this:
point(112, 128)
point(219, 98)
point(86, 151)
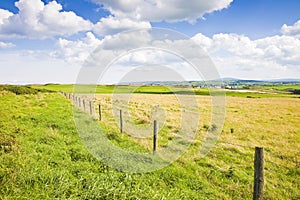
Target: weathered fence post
point(155, 129)
point(100, 113)
point(258, 173)
point(91, 108)
point(121, 121)
point(83, 103)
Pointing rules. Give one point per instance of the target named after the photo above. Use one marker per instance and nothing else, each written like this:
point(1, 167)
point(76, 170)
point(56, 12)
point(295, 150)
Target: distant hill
point(224, 81)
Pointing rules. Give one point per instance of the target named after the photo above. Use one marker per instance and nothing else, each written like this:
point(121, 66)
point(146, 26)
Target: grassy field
point(255, 92)
point(104, 89)
point(42, 156)
point(281, 87)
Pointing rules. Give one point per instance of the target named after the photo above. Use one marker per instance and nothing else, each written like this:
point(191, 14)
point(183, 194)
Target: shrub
point(21, 90)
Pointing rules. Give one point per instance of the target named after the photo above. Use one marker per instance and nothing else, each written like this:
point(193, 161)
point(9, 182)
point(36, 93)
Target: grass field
point(257, 92)
point(281, 87)
point(42, 156)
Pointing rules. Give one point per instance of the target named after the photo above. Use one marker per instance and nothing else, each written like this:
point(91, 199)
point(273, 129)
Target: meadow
point(43, 157)
point(261, 91)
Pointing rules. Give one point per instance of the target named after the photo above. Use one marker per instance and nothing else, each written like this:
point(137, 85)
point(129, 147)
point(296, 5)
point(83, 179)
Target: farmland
point(43, 157)
point(261, 91)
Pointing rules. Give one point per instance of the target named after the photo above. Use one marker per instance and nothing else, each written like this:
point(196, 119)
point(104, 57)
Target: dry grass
point(273, 123)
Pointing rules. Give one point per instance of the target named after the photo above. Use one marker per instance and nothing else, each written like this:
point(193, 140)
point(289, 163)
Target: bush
point(293, 91)
point(20, 90)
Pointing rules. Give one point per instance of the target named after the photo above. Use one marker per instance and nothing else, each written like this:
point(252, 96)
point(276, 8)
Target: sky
point(45, 41)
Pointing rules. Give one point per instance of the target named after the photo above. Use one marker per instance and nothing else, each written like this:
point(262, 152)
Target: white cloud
point(76, 52)
point(27, 67)
point(4, 15)
point(127, 40)
point(6, 45)
point(149, 48)
point(111, 25)
point(234, 55)
point(37, 20)
point(163, 10)
point(271, 57)
point(293, 30)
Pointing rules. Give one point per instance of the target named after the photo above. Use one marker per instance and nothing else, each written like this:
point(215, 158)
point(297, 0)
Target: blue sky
point(254, 18)
point(46, 41)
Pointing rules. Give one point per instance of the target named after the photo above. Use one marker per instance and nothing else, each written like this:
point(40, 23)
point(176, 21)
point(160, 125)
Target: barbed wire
point(297, 164)
point(73, 98)
point(239, 145)
point(277, 164)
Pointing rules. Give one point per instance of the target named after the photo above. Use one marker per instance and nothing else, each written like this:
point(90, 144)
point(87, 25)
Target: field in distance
point(261, 91)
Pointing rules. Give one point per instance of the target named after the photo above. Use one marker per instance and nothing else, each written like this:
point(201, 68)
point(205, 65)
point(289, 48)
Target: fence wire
point(78, 100)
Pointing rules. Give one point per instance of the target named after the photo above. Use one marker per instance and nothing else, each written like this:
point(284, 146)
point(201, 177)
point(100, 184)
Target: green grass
point(42, 157)
point(280, 87)
point(259, 95)
point(103, 89)
point(265, 91)
point(293, 89)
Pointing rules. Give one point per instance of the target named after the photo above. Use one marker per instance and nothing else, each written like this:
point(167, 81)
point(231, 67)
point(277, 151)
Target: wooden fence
point(88, 106)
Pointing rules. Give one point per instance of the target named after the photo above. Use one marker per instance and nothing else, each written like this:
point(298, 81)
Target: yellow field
point(273, 123)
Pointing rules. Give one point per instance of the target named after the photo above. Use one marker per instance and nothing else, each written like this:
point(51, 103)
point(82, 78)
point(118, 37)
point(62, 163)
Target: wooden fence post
point(83, 103)
point(121, 121)
point(155, 129)
point(100, 113)
point(258, 174)
point(91, 109)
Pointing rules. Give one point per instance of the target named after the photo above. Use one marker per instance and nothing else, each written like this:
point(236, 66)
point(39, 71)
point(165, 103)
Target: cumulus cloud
point(5, 45)
point(144, 48)
point(4, 15)
point(112, 25)
point(234, 55)
point(270, 56)
point(76, 52)
point(37, 20)
point(127, 40)
point(163, 10)
point(293, 30)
